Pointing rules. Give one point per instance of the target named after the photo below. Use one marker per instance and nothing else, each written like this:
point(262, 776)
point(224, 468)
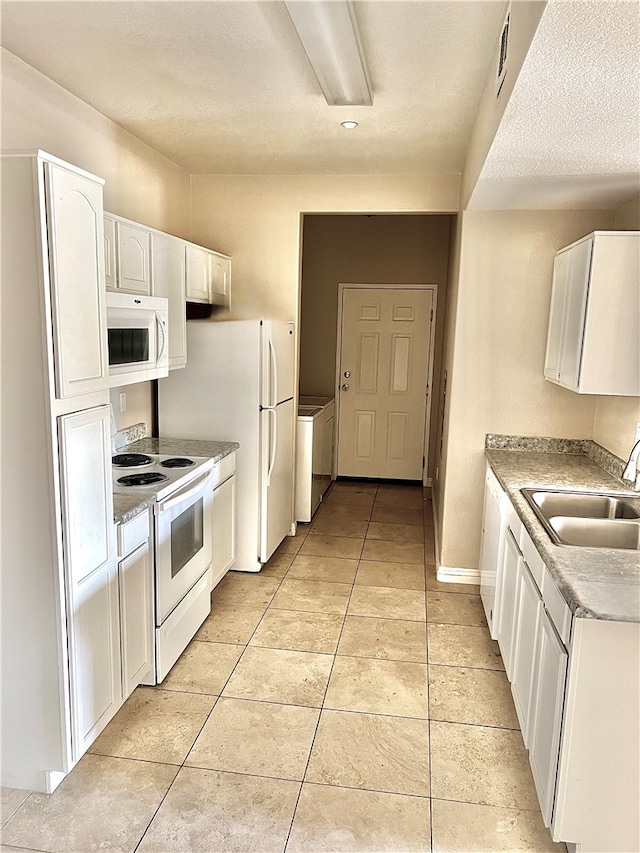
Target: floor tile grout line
point(182, 765)
point(426, 629)
point(315, 733)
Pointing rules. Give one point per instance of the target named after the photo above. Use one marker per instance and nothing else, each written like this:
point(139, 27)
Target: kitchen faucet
point(631, 474)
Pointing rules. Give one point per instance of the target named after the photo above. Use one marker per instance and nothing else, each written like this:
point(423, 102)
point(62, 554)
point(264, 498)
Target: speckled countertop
point(126, 507)
point(597, 583)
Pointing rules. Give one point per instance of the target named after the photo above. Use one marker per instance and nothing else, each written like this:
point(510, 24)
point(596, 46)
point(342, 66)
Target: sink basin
point(597, 532)
point(586, 519)
point(580, 504)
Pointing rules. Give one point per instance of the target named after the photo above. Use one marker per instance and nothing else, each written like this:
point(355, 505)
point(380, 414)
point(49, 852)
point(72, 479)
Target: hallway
point(341, 700)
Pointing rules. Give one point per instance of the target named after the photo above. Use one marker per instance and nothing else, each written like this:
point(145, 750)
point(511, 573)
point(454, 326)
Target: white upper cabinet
point(133, 259)
point(168, 280)
point(110, 253)
point(198, 275)
point(127, 256)
point(75, 251)
point(220, 278)
point(593, 342)
point(208, 276)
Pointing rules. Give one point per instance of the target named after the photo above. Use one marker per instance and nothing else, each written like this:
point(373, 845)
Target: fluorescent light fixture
point(329, 34)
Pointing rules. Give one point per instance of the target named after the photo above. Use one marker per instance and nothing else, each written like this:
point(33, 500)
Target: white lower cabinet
point(223, 510)
point(576, 689)
point(547, 705)
point(135, 588)
point(90, 577)
point(528, 612)
point(507, 590)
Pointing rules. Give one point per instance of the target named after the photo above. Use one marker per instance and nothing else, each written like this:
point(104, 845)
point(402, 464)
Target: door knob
point(345, 387)
point(347, 374)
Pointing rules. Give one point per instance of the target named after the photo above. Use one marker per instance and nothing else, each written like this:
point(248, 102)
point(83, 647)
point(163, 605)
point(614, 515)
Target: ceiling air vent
point(501, 69)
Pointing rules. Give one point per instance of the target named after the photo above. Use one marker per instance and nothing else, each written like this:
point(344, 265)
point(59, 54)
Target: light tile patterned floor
point(342, 700)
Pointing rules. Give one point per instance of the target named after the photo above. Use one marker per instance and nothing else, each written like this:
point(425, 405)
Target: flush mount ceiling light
point(349, 124)
point(329, 34)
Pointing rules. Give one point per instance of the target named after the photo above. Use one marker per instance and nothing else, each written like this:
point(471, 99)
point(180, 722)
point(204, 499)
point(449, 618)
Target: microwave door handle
point(163, 336)
point(183, 495)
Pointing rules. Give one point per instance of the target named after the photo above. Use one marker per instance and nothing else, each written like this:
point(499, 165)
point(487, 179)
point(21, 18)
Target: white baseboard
point(450, 574)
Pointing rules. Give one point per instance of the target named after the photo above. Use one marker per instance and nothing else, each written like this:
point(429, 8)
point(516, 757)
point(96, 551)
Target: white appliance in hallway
point(238, 386)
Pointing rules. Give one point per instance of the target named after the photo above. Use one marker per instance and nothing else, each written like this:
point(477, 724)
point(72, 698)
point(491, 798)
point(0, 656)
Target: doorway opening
point(365, 252)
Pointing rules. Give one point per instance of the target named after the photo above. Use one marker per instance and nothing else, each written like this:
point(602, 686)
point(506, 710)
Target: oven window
point(186, 536)
point(128, 346)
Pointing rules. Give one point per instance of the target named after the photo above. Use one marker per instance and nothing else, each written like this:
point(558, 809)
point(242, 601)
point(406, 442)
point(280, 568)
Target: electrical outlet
point(123, 401)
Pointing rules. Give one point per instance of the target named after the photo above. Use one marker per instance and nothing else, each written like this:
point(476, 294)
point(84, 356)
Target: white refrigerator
point(238, 386)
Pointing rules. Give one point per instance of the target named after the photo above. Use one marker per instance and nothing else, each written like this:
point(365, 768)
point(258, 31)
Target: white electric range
point(183, 489)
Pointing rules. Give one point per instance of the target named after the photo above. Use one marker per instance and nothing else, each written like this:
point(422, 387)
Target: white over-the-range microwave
point(137, 338)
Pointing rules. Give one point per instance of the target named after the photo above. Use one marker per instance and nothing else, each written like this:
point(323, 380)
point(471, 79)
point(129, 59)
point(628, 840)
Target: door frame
point(342, 286)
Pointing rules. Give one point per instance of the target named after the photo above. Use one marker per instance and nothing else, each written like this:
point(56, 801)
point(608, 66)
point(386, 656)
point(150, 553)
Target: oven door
point(183, 542)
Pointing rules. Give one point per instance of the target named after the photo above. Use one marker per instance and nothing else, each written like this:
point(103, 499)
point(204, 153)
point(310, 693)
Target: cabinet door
point(220, 278)
point(168, 280)
point(528, 609)
point(197, 274)
point(133, 259)
point(90, 573)
point(546, 718)
point(556, 316)
point(507, 607)
point(110, 254)
point(224, 527)
point(75, 232)
point(491, 549)
point(136, 617)
point(575, 311)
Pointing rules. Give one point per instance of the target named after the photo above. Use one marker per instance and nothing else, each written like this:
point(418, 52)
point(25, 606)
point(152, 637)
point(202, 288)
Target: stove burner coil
point(130, 460)
point(143, 479)
point(177, 462)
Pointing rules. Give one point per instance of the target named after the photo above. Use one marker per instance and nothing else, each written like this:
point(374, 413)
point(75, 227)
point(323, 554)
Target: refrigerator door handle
point(274, 444)
point(274, 372)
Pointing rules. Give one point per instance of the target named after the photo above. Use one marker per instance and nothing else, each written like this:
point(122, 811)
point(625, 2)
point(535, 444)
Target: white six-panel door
point(384, 367)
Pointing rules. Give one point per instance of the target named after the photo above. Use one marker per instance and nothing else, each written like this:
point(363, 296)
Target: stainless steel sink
point(586, 519)
point(597, 532)
point(580, 504)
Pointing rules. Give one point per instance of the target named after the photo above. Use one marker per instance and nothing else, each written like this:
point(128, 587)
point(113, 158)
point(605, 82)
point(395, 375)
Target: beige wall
point(495, 357)
point(444, 396)
point(525, 17)
point(257, 220)
point(616, 417)
point(363, 249)
point(140, 183)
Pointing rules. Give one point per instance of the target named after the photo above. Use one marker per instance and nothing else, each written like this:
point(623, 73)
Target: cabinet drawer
point(133, 533)
point(224, 469)
point(532, 558)
point(514, 523)
point(556, 606)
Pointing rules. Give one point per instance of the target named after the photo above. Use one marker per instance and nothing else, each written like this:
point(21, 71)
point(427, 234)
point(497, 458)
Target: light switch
point(123, 401)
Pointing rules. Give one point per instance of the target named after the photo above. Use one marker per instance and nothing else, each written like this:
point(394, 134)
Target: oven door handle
point(185, 494)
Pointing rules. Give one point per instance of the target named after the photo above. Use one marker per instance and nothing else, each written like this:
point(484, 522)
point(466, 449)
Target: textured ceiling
point(225, 87)
point(570, 135)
